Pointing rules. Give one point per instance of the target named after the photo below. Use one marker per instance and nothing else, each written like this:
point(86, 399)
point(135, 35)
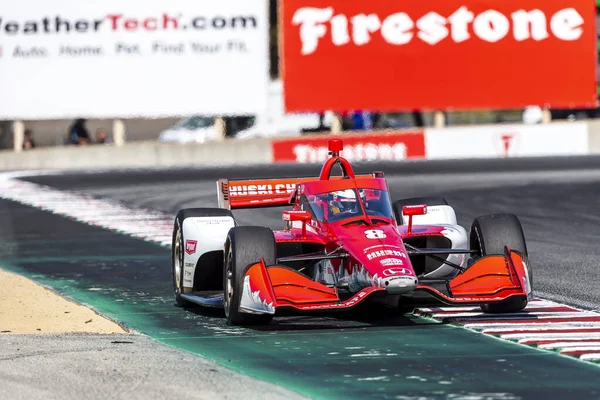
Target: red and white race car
point(344, 243)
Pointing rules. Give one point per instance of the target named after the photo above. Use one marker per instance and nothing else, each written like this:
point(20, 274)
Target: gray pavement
point(85, 366)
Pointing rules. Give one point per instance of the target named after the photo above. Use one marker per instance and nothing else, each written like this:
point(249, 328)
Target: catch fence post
point(119, 132)
point(439, 120)
point(336, 124)
point(220, 127)
point(19, 135)
point(546, 116)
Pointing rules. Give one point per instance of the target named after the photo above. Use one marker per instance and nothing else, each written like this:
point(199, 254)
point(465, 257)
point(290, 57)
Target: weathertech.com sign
point(389, 55)
point(116, 22)
point(364, 147)
point(132, 59)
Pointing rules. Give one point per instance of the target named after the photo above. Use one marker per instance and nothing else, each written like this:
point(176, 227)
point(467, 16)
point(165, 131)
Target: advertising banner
point(385, 55)
point(134, 58)
point(364, 147)
point(563, 138)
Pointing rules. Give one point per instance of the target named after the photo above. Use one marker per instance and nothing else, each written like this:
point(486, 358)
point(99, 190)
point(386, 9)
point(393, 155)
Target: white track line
point(481, 316)
point(541, 328)
point(503, 318)
point(559, 339)
point(144, 224)
point(591, 349)
point(537, 303)
point(537, 326)
point(529, 337)
point(565, 345)
point(590, 357)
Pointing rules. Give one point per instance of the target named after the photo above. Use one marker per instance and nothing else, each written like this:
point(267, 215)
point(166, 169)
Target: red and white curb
point(148, 225)
point(543, 324)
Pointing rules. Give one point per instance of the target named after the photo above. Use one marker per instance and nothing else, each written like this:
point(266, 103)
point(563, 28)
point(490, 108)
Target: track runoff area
point(548, 328)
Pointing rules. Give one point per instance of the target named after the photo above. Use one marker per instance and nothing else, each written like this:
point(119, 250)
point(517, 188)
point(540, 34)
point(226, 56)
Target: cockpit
point(343, 204)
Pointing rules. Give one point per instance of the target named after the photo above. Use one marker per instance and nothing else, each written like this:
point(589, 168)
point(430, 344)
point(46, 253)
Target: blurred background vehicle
point(274, 122)
point(193, 129)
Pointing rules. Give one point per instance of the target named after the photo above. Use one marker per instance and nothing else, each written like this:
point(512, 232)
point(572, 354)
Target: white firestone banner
point(133, 58)
point(510, 140)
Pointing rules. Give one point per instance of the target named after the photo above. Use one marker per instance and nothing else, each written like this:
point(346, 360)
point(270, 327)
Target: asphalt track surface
point(87, 366)
point(556, 200)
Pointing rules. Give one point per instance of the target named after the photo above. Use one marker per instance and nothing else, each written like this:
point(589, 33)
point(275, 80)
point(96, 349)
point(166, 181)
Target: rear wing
point(261, 193)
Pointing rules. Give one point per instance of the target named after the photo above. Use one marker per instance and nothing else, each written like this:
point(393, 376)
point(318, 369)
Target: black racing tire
point(429, 201)
point(177, 246)
point(488, 236)
point(245, 246)
point(490, 233)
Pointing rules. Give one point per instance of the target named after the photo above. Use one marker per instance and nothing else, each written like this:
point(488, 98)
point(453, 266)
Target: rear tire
point(177, 250)
point(429, 201)
point(489, 234)
point(245, 246)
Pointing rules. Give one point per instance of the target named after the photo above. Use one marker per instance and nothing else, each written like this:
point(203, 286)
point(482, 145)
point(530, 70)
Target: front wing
point(491, 279)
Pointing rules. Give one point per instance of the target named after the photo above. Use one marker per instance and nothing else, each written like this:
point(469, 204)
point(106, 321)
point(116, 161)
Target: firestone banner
point(363, 147)
point(135, 58)
point(389, 55)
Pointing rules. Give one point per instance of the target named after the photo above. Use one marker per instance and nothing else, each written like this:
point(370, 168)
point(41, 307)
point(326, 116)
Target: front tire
point(177, 265)
point(245, 246)
point(178, 249)
point(489, 234)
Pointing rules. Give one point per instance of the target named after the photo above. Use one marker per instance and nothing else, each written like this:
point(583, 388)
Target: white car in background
point(200, 129)
point(194, 129)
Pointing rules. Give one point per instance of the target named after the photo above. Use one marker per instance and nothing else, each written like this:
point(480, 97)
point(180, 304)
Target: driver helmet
point(343, 201)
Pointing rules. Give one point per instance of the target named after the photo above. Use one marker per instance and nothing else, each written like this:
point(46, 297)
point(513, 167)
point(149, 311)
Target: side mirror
point(298, 215)
point(410, 211)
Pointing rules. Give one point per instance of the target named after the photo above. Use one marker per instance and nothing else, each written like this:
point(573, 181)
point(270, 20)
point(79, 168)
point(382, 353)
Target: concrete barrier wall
point(139, 155)
point(152, 154)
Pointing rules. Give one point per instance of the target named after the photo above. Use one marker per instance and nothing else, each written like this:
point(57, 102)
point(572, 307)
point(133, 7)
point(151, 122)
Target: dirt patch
point(26, 307)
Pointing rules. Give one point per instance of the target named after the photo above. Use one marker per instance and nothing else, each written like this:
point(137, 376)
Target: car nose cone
point(400, 284)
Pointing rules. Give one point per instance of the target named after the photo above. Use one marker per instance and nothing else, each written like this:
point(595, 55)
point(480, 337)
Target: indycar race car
point(344, 243)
